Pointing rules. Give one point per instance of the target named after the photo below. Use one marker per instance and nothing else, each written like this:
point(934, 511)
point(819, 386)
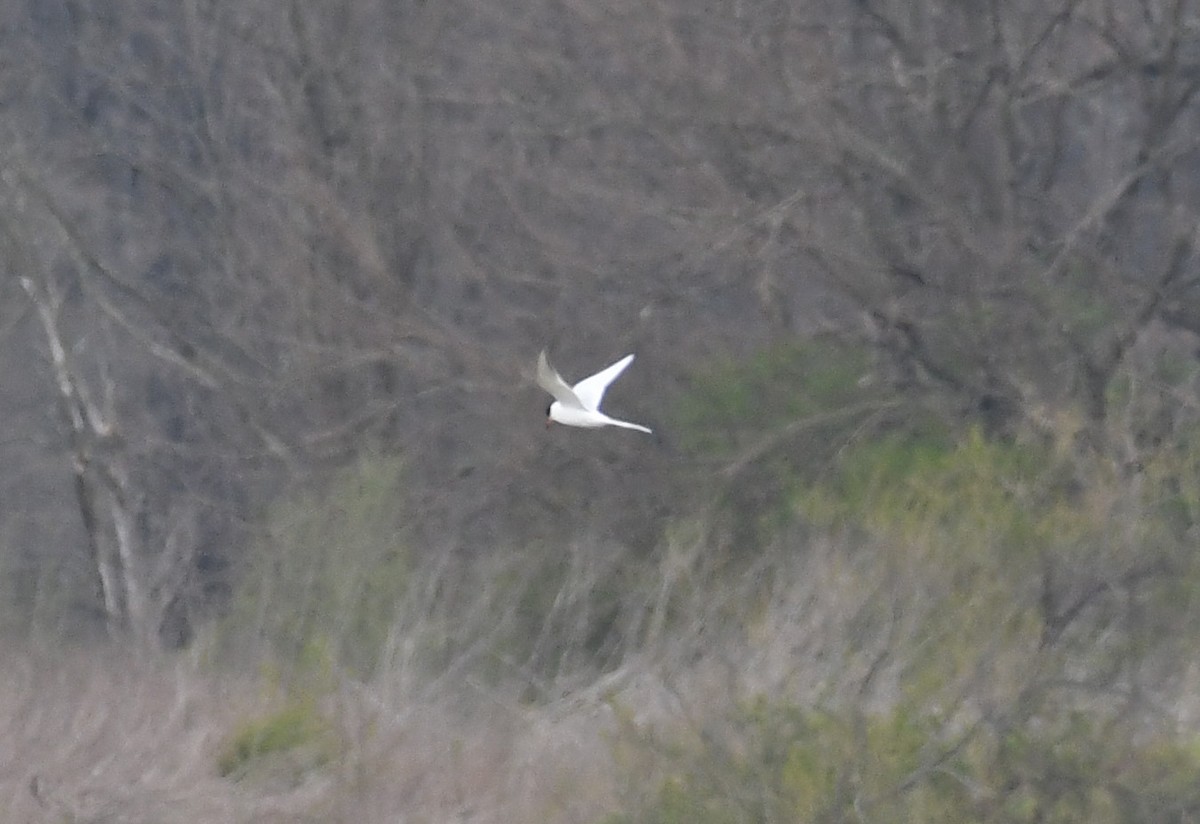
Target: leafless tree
point(263, 235)
point(1004, 190)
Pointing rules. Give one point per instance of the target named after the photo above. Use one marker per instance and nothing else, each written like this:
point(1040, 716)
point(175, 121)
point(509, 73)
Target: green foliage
point(734, 402)
point(957, 530)
point(1173, 474)
point(1005, 586)
point(1083, 311)
point(806, 765)
point(322, 584)
point(297, 737)
point(1084, 768)
point(773, 422)
point(797, 765)
point(909, 486)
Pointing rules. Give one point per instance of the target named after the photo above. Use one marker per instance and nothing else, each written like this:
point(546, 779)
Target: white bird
point(579, 405)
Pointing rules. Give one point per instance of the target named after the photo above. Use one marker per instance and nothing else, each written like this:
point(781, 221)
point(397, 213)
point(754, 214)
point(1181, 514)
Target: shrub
point(732, 404)
point(773, 423)
point(787, 764)
point(292, 740)
point(321, 585)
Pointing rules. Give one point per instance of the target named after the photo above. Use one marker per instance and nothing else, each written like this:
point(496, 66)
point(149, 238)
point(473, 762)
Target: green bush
point(732, 404)
point(791, 765)
point(1003, 547)
point(1001, 586)
point(294, 739)
point(322, 583)
point(771, 424)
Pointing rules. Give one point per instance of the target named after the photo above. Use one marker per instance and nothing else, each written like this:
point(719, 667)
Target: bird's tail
point(628, 425)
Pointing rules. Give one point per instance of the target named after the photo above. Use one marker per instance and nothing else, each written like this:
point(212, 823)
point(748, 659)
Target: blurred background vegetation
point(915, 295)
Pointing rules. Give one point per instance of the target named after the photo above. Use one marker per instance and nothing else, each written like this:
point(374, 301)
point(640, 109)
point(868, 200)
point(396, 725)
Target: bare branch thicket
point(322, 227)
point(258, 287)
point(1003, 196)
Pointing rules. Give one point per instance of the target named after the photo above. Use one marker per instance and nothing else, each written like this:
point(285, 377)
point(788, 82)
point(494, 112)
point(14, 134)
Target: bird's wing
point(590, 391)
point(549, 380)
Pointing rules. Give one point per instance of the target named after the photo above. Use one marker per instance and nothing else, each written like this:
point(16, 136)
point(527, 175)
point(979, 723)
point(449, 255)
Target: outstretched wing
point(590, 391)
point(549, 380)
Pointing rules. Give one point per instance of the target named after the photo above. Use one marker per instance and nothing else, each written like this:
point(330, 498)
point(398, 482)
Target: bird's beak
point(548, 422)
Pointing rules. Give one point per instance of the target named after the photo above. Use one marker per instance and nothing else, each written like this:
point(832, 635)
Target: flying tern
point(579, 405)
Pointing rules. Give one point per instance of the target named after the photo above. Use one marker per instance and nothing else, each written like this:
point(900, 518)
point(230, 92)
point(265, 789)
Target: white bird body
point(579, 405)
